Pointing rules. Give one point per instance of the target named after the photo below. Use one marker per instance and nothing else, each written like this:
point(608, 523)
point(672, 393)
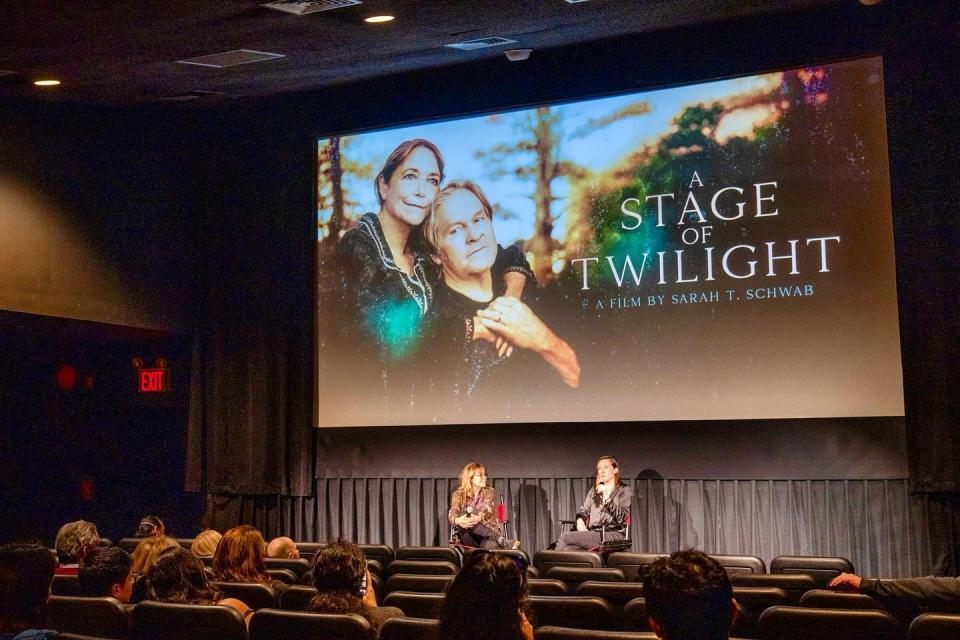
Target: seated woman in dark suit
point(473, 512)
point(607, 506)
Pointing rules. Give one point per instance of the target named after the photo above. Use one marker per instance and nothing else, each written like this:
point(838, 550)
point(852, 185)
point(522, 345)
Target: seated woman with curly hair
point(487, 601)
point(142, 559)
point(239, 558)
point(343, 584)
point(178, 576)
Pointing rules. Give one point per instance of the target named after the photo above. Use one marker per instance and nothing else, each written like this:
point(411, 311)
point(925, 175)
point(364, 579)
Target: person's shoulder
point(378, 615)
point(31, 634)
point(361, 240)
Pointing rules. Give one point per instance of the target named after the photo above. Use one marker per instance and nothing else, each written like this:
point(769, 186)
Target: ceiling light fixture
point(46, 83)
point(379, 19)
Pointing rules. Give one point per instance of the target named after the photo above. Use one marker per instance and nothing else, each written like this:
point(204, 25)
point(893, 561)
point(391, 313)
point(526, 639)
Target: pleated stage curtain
point(877, 524)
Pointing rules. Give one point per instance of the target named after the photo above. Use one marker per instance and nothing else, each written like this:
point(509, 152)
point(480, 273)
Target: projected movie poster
point(721, 250)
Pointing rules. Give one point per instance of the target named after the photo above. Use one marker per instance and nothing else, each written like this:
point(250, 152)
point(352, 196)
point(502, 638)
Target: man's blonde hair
point(429, 229)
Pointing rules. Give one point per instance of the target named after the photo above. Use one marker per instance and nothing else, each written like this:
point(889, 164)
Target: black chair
point(65, 586)
point(298, 566)
point(573, 611)
point(616, 593)
point(634, 616)
point(103, 617)
point(253, 594)
point(565, 633)
point(380, 552)
point(375, 567)
point(799, 623)
point(793, 585)
point(575, 575)
point(735, 565)
point(416, 605)
point(410, 629)
point(376, 583)
point(129, 544)
point(753, 601)
point(309, 549)
point(934, 626)
point(608, 545)
point(545, 559)
point(821, 569)
point(633, 564)
point(547, 587)
point(275, 624)
point(297, 598)
point(424, 567)
point(826, 599)
point(442, 554)
point(513, 553)
point(168, 621)
point(418, 583)
point(186, 543)
point(283, 575)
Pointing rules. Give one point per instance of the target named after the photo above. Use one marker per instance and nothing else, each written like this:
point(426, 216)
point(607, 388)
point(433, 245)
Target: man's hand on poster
point(515, 322)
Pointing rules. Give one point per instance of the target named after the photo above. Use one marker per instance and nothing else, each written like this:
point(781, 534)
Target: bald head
point(282, 547)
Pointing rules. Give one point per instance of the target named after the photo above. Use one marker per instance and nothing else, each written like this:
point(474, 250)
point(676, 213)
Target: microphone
point(470, 510)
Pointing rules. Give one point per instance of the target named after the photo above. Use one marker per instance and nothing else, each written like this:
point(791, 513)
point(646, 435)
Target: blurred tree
point(331, 194)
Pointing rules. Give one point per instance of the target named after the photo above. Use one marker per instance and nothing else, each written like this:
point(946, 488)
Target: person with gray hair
point(74, 539)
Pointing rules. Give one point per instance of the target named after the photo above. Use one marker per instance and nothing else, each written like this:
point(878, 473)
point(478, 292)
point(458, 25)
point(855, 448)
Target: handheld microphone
point(470, 510)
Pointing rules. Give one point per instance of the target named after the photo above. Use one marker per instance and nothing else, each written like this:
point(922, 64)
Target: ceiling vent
point(574, 1)
point(480, 43)
point(303, 8)
point(231, 58)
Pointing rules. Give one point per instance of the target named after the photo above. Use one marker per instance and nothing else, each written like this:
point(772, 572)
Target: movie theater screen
point(721, 250)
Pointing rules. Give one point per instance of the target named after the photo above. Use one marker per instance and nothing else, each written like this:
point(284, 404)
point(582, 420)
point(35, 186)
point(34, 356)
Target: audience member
point(150, 526)
point(106, 571)
point(73, 540)
point(239, 558)
point(487, 601)
point(143, 558)
point(205, 543)
point(689, 597)
point(283, 547)
point(343, 584)
point(26, 571)
point(906, 598)
point(178, 576)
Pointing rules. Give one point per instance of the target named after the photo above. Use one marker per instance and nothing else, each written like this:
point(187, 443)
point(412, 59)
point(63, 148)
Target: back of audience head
point(239, 556)
point(486, 600)
point(339, 569)
point(74, 539)
point(26, 571)
point(150, 526)
point(205, 543)
point(106, 571)
point(178, 576)
point(283, 547)
point(689, 597)
point(149, 550)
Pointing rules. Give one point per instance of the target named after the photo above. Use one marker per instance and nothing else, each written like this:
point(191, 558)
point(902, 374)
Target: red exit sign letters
point(153, 380)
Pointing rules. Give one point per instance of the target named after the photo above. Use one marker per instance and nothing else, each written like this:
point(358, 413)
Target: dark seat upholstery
point(573, 576)
point(934, 626)
point(186, 543)
point(634, 616)
point(418, 582)
point(375, 567)
point(416, 605)
point(65, 586)
point(297, 598)
point(298, 566)
point(167, 621)
point(793, 585)
point(547, 587)
point(380, 552)
point(63, 635)
point(547, 558)
point(253, 594)
point(283, 575)
point(128, 544)
point(800, 623)
point(754, 601)
point(514, 553)
point(410, 629)
point(821, 569)
point(424, 567)
point(633, 564)
point(103, 617)
point(566, 633)
point(309, 549)
point(275, 624)
point(573, 611)
point(429, 553)
point(616, 593)
point(826, 599)
point(740, 564)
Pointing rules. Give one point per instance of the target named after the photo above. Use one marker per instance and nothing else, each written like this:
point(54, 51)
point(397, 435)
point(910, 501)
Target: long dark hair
point(339, 569)
point(239, 556)
point(26, 571)
point(178, 576)
point(485, 600)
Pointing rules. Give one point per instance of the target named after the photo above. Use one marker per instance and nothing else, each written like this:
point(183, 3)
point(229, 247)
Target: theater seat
point(410, 629)
point(934, 626)
point(546, 559)
point(513, 553)
point(753, 601)
point(424, 567)
point(298, 566)
point(274, 624)
point(102, 617)
point(799, 623)
point(416, 605)
point(633, 564)
point(734, 564)
point(634, 617)
point(822, 569)
point(443, 554)
point(382, 553)
point(253, 594)
point(826, 599)
point(793, 585)
point(573, 611)
point(566, 633)
point(283, 575)
point(616, 593)
point(186, 543)
point(374, 567)
point(65, 586)
point(573, 576)
point(167, 621)
point(547, 587)
point(128, 544)
point(309, 549)
point(297, 598)
point(418, 583)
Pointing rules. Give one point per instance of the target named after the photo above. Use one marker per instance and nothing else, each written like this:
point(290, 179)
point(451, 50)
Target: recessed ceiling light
point(379, 19)
point(46, 83)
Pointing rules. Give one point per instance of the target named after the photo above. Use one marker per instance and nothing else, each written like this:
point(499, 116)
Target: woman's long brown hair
point(239, 556)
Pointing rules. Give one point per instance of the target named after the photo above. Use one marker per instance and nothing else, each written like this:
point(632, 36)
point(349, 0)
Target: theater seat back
point(168, 621)
point(275, 624)
point(102, 617)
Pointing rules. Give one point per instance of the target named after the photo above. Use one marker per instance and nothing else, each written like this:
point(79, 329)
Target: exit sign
point(153, 380)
